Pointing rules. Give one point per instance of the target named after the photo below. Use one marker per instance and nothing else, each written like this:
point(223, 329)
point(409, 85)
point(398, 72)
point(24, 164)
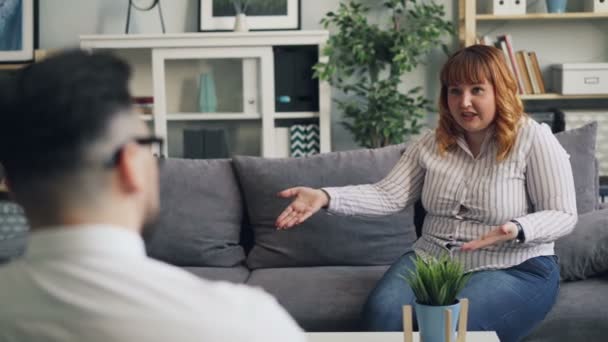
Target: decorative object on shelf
point(596, 6)
point(240, 18)
point(304, 140)
point(580, 78)
point(436, 285)
point(17, 30)
point(504, 7)
point(207, 99)
point(367, 63)
point(556, 6)
point(219, 15)
point(144, 5)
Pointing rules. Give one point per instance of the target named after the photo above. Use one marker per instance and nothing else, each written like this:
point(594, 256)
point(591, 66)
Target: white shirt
point(467, 196)
point(95, 283)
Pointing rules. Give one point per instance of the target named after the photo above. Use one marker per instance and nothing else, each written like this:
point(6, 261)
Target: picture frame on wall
point(219, 15)
point(17, 30)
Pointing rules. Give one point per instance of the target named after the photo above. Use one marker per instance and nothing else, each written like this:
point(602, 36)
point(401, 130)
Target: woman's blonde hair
point(473, 65)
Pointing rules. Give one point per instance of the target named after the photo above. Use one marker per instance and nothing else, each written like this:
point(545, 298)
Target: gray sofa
point(217, 221)
point(218, 216)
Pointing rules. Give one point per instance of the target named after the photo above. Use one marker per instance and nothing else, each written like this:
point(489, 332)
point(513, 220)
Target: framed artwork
point(17, 30)
point(218, 15)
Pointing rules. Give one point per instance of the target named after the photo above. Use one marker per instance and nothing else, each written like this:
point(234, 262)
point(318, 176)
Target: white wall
point(62, 21)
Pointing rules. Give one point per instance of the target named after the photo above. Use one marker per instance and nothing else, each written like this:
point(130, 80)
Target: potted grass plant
point(436, 284)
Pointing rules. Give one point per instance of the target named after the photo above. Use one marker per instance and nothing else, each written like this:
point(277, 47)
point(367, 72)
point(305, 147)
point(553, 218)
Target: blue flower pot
point(556, 6)
point(431, 321)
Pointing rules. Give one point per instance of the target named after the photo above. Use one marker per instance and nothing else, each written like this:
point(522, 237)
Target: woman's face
point(473, 106)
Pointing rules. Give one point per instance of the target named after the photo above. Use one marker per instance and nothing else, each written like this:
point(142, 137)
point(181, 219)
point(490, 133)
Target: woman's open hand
point(506, 232)
point(307, 201)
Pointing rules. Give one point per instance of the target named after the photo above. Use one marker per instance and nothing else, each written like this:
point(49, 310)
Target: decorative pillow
point(13, 229)
point(200, 216)
point(580, 144)
point(584, 252)
point(323, 239)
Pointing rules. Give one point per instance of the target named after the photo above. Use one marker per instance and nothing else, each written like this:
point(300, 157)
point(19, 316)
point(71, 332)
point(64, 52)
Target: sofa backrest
point(200, 217)
point(323, 239)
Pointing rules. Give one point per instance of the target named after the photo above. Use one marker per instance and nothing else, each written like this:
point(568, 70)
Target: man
point(78, 160)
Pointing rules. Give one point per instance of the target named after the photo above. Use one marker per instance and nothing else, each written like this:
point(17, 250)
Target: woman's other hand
point(506, 232)
point(307, 201)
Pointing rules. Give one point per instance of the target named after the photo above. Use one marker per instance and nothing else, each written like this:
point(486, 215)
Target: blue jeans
point(510, 301)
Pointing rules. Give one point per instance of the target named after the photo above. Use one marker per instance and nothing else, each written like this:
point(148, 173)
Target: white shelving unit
point(254, 53)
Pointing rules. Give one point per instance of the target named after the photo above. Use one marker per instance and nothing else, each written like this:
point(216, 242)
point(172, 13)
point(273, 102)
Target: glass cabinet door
point(213, 102)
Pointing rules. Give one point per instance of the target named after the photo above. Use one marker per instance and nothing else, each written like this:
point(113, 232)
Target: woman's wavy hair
point(472, 65)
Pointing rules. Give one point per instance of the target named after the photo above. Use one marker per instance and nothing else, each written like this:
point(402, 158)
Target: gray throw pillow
point(200, 216)
point(580, 144)
point(13, 230)
point(584, 252)
point(323, 239)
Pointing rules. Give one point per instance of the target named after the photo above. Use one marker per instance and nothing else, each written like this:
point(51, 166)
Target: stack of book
point(523, 64)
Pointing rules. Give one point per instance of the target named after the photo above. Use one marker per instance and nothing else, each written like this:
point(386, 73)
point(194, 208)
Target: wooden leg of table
point(448, 325)
point(408, 335)
point(462, 323)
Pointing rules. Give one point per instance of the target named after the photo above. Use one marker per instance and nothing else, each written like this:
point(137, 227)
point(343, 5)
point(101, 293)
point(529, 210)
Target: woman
point(498, 190)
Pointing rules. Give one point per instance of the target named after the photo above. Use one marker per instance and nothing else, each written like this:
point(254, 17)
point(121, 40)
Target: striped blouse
point(467, 196)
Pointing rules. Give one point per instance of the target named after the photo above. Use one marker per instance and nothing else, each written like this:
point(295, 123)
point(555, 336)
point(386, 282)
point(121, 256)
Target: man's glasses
point(149, 141)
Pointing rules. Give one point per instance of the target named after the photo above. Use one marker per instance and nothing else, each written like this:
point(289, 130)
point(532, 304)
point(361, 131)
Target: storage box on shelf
point(596, 5)
point(205, 82)
point(504, 7)
point(580, 78)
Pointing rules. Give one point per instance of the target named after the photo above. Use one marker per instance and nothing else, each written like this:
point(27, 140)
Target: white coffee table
point(473, 336)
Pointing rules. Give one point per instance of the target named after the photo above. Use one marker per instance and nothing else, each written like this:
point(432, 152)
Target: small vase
point(556, 6)
point(240, 23)
point(431, 321)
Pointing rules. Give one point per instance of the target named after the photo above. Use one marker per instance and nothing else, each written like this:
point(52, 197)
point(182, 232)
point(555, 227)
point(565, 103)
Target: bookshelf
point(468, 31)
point(166, 67)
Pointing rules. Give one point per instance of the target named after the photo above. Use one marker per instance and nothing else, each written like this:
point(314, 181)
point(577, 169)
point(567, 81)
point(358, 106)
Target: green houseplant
point(436, 284)
point(368, 61)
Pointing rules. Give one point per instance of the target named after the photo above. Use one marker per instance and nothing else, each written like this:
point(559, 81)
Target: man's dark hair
point(53, 110)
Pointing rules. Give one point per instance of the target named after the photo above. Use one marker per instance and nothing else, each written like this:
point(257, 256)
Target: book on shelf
point(511, 53)
point(525, 75)
point(537, 72)
point(531, 73)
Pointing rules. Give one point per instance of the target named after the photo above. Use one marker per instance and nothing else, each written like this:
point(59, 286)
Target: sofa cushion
point(580, 144)
point(578, 315)
point(321, 298)
point(323, 239)
point(584, 252)
point(200, 216)
point(238, 274)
